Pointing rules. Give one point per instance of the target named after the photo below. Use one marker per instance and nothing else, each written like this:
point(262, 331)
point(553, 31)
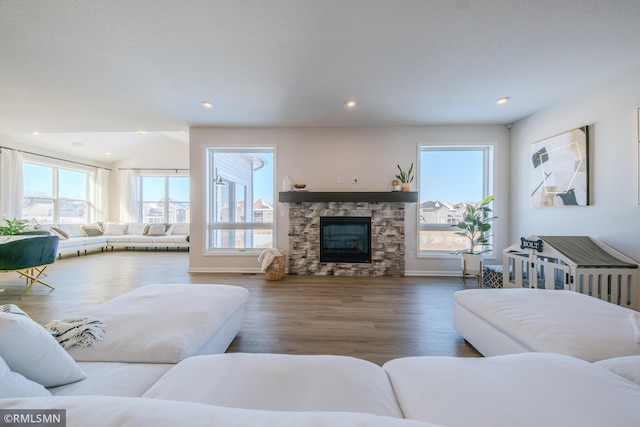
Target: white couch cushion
point(72, 230)
point(12, 384)
point(156, 229)
point(30, 350)
point(279, 382)
point(524, 390)
point(137, 228)
point(131, 411)
point(627, 367)
point(114, 379)
point(161, 323)
point(115, 229)
point(180, 229)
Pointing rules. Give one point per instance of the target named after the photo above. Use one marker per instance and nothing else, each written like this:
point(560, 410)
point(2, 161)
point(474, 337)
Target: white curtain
point(129, 211)
point(10, 183)
point(99, 196)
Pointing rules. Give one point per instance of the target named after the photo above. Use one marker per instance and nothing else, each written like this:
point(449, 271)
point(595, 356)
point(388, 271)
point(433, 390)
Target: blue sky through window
point(451, 176)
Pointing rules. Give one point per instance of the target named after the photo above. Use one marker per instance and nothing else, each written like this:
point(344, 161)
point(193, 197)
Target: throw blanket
point(13, 309)
point(267, 256)
point(634, 318)
point(79, 331)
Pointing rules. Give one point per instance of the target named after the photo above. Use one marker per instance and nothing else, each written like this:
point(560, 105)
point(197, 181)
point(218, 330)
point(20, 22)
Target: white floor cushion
point(85, 411)
point(524, 390)
point(280, 383)
point(551, 321)
point(626, 366)
point(166, 323)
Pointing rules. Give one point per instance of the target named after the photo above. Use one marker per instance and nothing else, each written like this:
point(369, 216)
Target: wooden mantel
point(347, 196)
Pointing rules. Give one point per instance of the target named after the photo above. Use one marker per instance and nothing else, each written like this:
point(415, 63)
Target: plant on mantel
point(406, 178)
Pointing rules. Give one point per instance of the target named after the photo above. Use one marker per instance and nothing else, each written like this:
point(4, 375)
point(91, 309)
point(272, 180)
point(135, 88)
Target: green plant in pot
point(406, 178)
point(14, 226)
point(475, 226)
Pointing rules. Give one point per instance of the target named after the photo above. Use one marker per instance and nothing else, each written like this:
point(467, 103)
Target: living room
point(277, 76)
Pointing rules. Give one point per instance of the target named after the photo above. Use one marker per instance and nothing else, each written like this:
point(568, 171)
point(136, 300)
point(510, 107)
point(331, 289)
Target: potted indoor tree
point(406, 178)
point(474, 226)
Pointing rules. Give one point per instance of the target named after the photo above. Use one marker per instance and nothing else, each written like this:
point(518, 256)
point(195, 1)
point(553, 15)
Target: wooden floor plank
point(376, 319)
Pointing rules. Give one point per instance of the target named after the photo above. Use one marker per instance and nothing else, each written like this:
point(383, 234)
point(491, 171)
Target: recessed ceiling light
point(36, 133)
point(142, 132)
point(350, 103)
point(502, 100)
point(207, 104)
point(77, 144)
point(108, 153)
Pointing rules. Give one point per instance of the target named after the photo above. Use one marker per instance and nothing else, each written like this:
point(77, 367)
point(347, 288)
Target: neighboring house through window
point(450, 178)
point(164, 198)
point(240, 199)
point(55, 194)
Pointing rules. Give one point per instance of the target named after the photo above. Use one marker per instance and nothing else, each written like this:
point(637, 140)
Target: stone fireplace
point(387, 238)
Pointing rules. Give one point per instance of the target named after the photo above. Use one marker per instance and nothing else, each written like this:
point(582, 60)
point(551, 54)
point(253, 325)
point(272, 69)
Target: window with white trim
point(164, 198)
point(450, 177)
point(55, 194)
point(240, 199)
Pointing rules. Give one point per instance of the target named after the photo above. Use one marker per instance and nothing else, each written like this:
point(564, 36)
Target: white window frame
point(166, 177)
point(211, 225)
point(55, 199)
point(487, 189)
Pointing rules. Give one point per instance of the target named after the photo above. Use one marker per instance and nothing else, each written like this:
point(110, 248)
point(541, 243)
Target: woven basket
point(275, 271)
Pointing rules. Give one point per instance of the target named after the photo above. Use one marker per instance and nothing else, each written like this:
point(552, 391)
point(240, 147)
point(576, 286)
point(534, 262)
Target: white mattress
point(114, 379)
point(164, 323)
point(552, 321)
point(102, 411)
point(524, 390)
point(280, 383)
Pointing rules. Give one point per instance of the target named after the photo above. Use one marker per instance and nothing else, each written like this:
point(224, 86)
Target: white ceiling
point(97, 71)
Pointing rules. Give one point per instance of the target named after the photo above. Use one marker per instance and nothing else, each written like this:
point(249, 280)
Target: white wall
point(316, 156)
point(610, 109)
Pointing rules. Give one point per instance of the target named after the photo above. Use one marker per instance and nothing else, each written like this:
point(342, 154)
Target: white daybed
point(505, 321)
point(166, 323)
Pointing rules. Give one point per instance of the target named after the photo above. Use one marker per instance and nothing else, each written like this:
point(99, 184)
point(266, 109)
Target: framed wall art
point(560, 170)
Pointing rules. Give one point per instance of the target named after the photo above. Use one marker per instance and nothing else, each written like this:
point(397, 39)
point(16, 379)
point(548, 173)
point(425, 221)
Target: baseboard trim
point(197, 270)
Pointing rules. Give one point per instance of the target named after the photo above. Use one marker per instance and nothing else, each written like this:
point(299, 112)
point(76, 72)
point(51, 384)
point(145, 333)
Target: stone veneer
point(387, 238)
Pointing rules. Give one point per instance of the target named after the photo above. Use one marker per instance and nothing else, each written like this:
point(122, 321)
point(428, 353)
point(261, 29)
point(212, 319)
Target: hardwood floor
point(376, 319)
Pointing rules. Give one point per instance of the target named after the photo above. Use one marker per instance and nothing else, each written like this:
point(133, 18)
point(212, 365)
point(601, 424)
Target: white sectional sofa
point(123, 382)
point(80, 238)
point(242, 390)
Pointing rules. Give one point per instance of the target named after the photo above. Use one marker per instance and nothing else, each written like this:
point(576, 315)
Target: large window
point(164, 199)
point(450, 177)
point(54, 194)
point(240, 199)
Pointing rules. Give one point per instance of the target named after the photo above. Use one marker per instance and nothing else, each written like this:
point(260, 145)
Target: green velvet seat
point(28, 255)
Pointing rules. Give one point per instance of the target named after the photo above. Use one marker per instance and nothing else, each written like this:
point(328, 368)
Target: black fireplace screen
point(345, 239)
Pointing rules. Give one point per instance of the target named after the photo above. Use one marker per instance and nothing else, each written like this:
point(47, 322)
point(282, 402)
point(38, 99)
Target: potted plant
point(475, 225)
point(406, 178)
point(14, 226)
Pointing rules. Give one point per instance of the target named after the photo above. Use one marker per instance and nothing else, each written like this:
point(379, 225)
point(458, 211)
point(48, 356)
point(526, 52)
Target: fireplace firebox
point(345, 239)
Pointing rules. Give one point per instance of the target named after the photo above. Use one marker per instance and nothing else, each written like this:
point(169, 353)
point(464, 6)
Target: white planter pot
point(472, 264)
